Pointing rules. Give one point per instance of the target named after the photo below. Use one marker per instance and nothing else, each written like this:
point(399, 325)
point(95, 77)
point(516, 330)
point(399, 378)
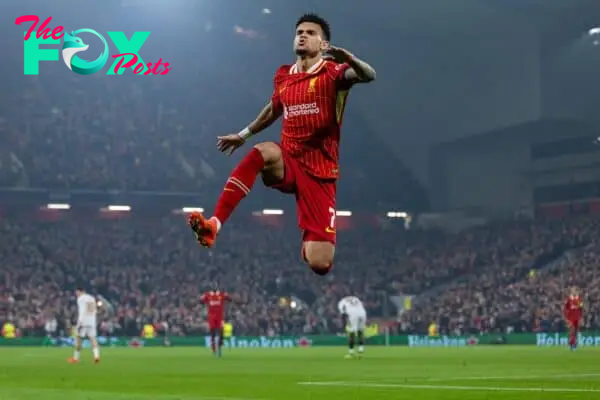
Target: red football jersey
point(573, 307)
point(313, 105)
point(215, 300)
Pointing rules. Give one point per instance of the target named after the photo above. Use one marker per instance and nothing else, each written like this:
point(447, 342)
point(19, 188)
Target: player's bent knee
point(321, 270)
point(321, 265)
point(270, 151)
point(319, 256)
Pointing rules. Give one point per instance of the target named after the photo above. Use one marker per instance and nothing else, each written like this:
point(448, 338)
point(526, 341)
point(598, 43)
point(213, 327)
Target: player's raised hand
point(337, 54)
point(229, 143)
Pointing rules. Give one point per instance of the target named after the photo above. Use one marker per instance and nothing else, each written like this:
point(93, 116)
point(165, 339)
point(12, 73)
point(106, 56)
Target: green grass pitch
point(490, 373)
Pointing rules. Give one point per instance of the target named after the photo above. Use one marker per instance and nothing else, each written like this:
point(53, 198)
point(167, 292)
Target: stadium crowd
point(107, 134)
point(516, 296)
point(151, 271)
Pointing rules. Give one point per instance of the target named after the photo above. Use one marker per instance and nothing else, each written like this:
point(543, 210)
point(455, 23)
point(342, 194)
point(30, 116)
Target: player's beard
point(301, 52)
point(306, 53)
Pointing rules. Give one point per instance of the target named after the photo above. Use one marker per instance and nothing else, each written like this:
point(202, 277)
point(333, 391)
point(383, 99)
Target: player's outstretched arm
point(359, 71)
point(265, 118)
point(229, 143)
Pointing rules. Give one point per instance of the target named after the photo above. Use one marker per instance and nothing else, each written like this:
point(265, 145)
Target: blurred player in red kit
point(573, 311)
point(311, 95)
point(215, 301)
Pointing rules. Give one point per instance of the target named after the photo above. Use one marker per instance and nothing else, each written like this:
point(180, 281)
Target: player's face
point(309, 40)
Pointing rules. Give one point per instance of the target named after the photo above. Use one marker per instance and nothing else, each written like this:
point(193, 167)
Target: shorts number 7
point(332, 219)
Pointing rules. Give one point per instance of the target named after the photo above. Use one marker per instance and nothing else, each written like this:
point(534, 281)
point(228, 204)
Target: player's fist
point(229, 143)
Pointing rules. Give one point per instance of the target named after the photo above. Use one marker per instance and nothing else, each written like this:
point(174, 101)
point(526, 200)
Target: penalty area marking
point(366, 385)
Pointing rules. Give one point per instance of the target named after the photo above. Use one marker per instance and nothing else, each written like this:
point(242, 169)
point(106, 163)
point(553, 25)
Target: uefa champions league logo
point(72, 45)
point(128, 56)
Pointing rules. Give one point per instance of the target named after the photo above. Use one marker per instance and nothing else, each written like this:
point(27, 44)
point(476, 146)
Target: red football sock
point(573, 337)
point(239, 184)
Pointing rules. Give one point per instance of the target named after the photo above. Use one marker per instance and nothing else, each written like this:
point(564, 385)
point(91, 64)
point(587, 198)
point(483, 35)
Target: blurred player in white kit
point(354, 313)
point(86, 324)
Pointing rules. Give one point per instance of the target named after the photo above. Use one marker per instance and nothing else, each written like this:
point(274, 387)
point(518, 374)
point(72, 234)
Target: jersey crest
point(311, 84)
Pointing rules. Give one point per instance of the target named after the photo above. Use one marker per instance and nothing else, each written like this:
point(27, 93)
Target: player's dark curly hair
point(315, 19)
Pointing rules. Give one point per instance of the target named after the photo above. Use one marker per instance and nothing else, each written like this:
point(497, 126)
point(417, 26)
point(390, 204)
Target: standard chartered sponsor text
point(261, 342)
point(301, 109)
point(557, 339)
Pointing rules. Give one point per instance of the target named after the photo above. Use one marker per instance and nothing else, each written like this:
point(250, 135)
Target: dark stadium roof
point(469, 16)
point(536, 129)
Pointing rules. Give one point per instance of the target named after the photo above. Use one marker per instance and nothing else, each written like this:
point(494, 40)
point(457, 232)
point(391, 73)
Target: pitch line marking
point(367, 385)
point(513, 377)
point(96, 394)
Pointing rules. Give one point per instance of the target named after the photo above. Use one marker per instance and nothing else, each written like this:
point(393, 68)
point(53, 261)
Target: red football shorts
point(215, 323)
point(574, 323)
point(315, 201)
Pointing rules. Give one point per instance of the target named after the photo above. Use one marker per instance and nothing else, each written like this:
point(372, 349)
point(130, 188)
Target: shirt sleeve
point(339, 75)
point(276, 96)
